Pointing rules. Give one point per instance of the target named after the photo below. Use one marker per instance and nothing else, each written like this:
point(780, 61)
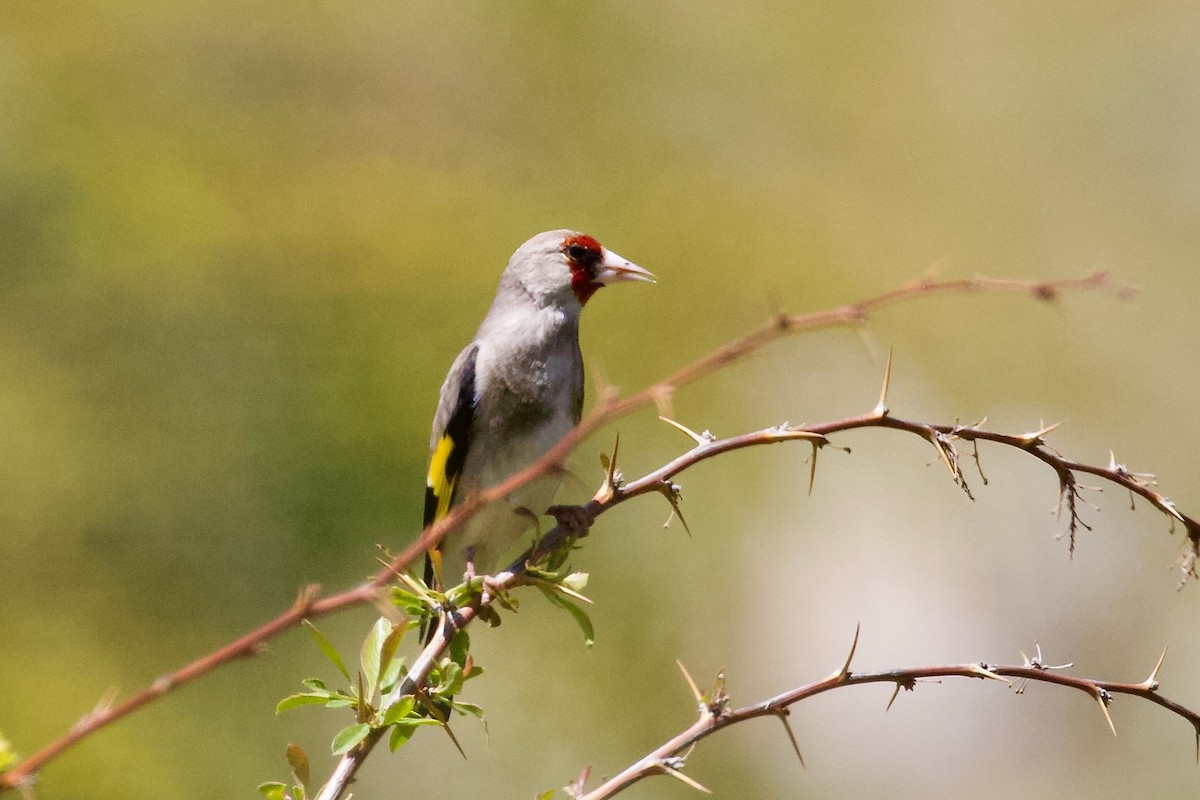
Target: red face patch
point(584, 255)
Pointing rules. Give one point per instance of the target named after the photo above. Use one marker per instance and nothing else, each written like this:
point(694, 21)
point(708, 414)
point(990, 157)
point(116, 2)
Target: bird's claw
point(575, 520)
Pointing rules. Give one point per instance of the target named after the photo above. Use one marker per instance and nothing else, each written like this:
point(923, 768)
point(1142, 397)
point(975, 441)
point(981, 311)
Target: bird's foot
point(575, 520)
point(470, 573)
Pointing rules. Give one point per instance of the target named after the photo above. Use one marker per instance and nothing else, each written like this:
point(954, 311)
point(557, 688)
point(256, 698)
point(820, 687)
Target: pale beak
point(614, 269)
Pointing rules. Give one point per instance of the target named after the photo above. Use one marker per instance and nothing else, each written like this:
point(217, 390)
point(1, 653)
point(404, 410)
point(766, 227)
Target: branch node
point(982, 670)
point(305, 598)
point(1036, 438)
point(1104, 698)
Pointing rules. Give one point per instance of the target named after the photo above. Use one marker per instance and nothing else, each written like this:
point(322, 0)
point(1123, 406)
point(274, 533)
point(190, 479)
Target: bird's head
point(558, 266)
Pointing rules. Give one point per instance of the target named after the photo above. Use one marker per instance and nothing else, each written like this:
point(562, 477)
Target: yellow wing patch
point(441, 484)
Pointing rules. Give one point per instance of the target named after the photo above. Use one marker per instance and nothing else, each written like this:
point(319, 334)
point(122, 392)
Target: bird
point(512, 393)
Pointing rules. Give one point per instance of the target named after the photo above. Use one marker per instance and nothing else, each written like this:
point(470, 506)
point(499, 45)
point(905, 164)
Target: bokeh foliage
point(239, 244)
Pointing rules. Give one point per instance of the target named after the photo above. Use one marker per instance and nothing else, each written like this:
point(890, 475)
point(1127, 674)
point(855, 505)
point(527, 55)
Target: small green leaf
point(489, 615)
point(546, 795)
point(576, 581)
point(404, 730)
point(470, 708)
point(452, 679)
point(581, 618)
point(399, 710)
point(341, 702)
point(412, 604)
point(297, 700)
point(561, 587)
point(273, 790)
point(391, 675)
point(298, 760)
point(369, 656)
point(417, 722)
point(387, 650)
point(316, 684)
point(328, 649)
point(349, 736)
point(506, 600)
point(460, 646)
point(400, 737)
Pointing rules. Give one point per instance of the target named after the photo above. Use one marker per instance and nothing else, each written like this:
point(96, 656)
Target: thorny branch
point(613, 492)
point(609, 407)
point(715, 712)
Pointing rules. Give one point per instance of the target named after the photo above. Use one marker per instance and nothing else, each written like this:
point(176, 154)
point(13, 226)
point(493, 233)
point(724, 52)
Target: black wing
point(448, 447)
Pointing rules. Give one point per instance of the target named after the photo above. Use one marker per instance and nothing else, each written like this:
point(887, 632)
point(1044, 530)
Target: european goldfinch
point(512, 393)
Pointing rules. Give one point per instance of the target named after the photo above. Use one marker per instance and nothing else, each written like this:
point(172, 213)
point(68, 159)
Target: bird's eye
point(578, 253)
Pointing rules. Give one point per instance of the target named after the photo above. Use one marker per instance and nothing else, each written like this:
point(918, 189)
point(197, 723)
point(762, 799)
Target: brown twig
point(612, 493)
point(609, 408)
point(942, 438)
point(715, 713)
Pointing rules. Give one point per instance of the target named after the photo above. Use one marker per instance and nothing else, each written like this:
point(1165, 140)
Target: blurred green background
point(240, 244)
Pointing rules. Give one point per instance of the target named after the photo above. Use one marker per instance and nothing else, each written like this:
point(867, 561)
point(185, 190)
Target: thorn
point(812, 472)
point(674, 773)
point(844, 672)
point(787, 726)
point(415, 587)
point(662, 398)
point(719, 703)
point(582, 780)
point(892, 699)
point(105, 703)
point(696, 437)
point(776, 307)
point(869, 342)
point(1169, 507)
point(978, 463)
point(1151, 683)
point(604, 389)
point(612, 461)
point(881, 409)
point(941, 450)
point(440, 716)
point(671, 492)
point(984, 672)
point(1036, 436)
point(454, 739)
point(307, 594)
point(1104, 698)
point(692, 685)
point(612, 476)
